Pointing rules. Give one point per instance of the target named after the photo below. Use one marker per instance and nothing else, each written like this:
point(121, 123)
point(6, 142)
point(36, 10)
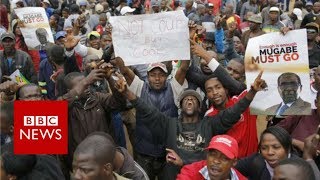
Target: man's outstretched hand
point(70, 40)
point(259, 84)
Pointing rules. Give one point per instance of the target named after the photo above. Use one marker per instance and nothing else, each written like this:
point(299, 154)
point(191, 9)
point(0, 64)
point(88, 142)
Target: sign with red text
point(284, 60)
point(35, 27)
point(40, 127)
point(143, 39)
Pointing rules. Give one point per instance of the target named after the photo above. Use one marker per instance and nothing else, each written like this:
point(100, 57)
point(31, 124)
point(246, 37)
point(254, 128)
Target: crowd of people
point(182, 119)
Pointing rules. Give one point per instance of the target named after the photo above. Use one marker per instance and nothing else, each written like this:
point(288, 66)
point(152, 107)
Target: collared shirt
point(204, 172)
point(270, 169)
point(282, 104)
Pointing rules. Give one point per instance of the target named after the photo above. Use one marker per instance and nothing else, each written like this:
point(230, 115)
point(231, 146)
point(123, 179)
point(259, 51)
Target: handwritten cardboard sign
point(35, 20)
point(284, 60)
point(143, 39)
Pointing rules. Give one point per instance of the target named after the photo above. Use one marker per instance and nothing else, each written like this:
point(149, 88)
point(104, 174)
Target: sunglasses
point(311, 31)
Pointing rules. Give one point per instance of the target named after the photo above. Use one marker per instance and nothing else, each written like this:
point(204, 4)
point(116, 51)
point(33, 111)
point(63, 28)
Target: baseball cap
point(99, 8)
point(190, 92)
point(298, 13)
point(155, 3)
point(255, 18)
point(309, 3)
point(60, 34)
point(210, 5)
point(16, 1)
point(46, 1)
point(225, 144)
point(274, 9)
point(157, 65)
point(83, 3)
point(312, 25)
point(93, 33)
point(126, 9)
point(7, 35)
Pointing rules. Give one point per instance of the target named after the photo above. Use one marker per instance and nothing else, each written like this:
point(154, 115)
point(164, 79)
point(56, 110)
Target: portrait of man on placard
point(289, 88)
point(42, 36)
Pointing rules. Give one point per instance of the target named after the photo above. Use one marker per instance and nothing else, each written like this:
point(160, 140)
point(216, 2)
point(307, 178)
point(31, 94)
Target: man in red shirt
point(245, 130)
point(221, 157)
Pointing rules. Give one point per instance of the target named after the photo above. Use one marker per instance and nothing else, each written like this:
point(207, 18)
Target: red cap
point(225, 144)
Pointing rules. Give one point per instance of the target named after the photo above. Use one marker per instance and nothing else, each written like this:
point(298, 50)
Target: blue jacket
point(146, 143)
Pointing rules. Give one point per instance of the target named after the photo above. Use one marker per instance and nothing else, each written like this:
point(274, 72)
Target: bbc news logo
point(36, 133)
point(40, 127)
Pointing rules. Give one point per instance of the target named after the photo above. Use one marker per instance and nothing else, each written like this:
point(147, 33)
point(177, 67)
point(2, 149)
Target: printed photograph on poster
point(36, 29)
point(285, 65)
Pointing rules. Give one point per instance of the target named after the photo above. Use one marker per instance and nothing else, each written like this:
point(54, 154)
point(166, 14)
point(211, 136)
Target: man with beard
point(222, 154)
point(289, 88)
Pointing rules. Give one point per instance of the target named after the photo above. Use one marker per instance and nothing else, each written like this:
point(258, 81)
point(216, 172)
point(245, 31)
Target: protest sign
point(17, 77)
point(209, 26)
point(284, 60)
point(36, 29)
point(143, 39)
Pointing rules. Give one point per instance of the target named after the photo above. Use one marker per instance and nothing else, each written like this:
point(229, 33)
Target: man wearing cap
point(12, 59)
point(126, 11)
point(312, 16)
point(59, 38)
point(222, 154)
point(159, 92)
point(94, 18)
point(295, 19)
point(94, 39)
point(255, 30)
point(313, 46)
point(309, 6)
point(187, 136)
point(265, 11)
point(273, 24)
point(155, 5)
point(208, 16)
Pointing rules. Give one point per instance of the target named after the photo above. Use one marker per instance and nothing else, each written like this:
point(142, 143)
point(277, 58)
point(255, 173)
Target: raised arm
point(182, 72)
point(126, 71)
point(151, 116)
point(235, 87)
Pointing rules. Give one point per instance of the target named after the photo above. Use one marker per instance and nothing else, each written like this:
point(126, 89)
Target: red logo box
point(40, 127)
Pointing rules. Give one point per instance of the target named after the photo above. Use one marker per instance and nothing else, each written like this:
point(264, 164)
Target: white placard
point(209, 26)
point(34, 18)
point(284, 59)
point(143, 39)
